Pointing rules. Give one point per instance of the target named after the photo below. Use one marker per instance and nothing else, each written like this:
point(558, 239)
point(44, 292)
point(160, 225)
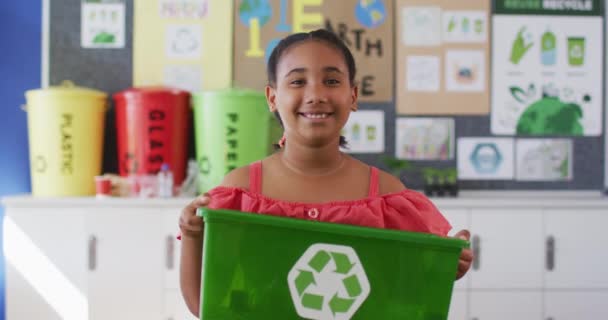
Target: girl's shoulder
point(387, 183)
point(239, 177)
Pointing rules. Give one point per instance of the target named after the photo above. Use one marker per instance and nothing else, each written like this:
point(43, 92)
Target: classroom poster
point(364, 132)
point(176, 44)
point(442, 57)
point(424, 138)
point(544, 159)
point(485, 158)
point(547, 68)
point(365, 26)
point(102, 24)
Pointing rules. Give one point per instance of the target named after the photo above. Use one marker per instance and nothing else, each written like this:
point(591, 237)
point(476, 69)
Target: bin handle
point(67, 84)
point(550, 253)
point(169, 253)
point(476, 252)
point(92, 253)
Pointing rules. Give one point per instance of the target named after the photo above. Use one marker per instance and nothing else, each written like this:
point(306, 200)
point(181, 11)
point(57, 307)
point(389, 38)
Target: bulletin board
point(110, 70)
point(365, 26)
point(443, 55)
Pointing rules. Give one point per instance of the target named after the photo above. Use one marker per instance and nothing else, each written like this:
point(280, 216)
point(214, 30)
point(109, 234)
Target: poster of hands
point(547, 75)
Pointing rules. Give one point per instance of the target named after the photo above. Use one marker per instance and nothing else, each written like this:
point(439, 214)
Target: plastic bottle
point(189, 186)
point(165, 181)
point(548, 48)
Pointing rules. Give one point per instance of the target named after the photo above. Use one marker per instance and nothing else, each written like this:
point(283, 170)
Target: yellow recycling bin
point(65, 127)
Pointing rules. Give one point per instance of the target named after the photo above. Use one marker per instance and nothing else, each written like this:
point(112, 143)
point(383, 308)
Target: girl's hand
point(190, 225)
point(466, 256)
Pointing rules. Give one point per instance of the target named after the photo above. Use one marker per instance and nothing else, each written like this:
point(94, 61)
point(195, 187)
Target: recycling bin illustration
point(259, 266)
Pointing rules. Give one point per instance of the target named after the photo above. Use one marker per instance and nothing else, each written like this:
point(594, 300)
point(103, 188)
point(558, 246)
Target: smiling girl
point(311, 91)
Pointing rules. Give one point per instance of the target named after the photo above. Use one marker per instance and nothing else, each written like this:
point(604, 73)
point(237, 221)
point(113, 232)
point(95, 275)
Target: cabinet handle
point(92, 253)
point(550, 253)
point(476, 252)
point(169, 252)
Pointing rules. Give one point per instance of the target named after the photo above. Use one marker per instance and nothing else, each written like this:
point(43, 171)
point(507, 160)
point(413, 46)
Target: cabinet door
point(577, 254)
point(175, 307)
point(505, 305)
point(459, 305)
point(171, 248)
point(459, 219)
point(573, 305)
point(45, 255)
point(125, 279)
point(508, 245)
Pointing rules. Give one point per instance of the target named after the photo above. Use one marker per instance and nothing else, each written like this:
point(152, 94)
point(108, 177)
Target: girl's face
point(312, 93)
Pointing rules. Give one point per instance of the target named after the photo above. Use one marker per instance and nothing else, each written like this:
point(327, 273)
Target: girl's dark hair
point(317, 35)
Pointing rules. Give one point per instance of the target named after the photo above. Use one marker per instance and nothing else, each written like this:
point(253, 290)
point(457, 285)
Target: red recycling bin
point(152, 125)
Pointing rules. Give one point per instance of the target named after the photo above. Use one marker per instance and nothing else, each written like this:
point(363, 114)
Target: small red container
point(152, 125)
point(103, 186)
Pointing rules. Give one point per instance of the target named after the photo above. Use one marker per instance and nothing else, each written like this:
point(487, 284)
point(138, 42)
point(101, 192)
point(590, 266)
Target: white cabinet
point(174, 305)
point(83, 259)
point(459, 305)
point(124, 271)
point(505, 305)
point(577, 248)
point(576, 305)
point(458, 218)
point(508, 245)
point(45, 259)
point(537, 258)
point(171, 248)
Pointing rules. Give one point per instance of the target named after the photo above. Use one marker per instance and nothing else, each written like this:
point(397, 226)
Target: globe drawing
point(551, 116)
point(251, 9)
point(370, 13)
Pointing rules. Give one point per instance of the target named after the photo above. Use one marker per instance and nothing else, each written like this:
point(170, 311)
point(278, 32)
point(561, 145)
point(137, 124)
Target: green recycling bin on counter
point(233, 128)
point(259, 266)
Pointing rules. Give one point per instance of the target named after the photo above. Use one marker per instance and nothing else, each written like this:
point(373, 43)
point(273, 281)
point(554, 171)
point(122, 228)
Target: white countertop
point(466, 199)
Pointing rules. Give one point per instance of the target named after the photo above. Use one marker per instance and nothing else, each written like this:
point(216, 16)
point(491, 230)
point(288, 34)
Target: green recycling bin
point(232, 128)
point(264, 267)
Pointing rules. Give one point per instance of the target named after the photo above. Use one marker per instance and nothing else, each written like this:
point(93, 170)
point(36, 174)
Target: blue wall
point(20, 69)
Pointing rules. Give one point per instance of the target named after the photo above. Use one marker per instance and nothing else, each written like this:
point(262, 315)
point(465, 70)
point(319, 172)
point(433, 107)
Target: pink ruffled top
point(404, 210)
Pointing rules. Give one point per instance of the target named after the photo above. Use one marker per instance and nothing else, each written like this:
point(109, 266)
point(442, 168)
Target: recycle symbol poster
point(547, 68)
point(328, 282)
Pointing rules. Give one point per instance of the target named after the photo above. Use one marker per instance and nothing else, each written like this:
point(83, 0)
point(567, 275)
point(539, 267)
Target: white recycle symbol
point(328, 283)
